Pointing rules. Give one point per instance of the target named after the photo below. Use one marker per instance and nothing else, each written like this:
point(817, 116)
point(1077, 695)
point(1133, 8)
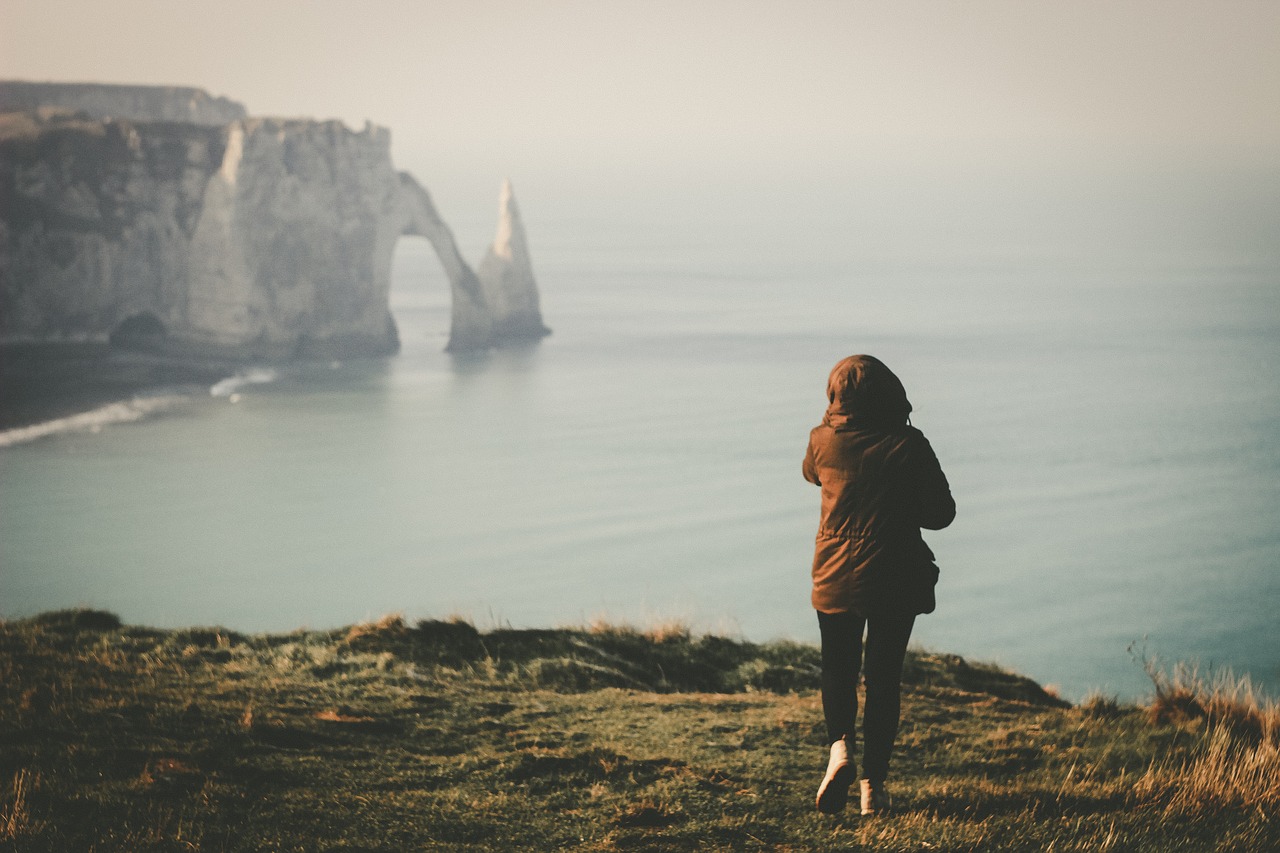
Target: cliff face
point(292, 250)
point(261, 238)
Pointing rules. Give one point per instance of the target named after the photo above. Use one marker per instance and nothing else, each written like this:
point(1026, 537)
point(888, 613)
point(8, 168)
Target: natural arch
point(471, 323)
point(496, 307)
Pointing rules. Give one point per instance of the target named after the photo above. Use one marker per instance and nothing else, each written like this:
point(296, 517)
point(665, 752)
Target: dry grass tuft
point(668, 631)
point(647, 813)
point(341, 715)
point(601, 625)
point(389, 628)
point(15, 814)
point(171, 775)
point(1223, 701)
point(36, 701)
point(1237, 762)
point(1101, 707)
point(663, 631)
point(1226, 774)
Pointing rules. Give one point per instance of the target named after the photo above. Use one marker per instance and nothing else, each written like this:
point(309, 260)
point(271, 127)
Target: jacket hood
point(862, 391)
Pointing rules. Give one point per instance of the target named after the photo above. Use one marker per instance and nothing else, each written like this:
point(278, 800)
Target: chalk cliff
point(254, 237)
point(506, 274)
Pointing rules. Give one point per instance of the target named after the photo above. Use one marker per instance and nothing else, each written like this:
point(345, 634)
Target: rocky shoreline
point(44, 382)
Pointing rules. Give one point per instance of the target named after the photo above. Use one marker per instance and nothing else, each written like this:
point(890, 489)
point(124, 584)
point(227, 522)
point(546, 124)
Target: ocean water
point(1111, 432)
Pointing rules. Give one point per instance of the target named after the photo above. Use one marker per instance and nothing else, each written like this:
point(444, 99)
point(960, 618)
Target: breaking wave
point(92, 421)
point(229, 386)
point(127, 411)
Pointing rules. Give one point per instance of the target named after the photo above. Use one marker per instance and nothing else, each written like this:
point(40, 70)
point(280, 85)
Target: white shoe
point(875, 799)
point(833, 793)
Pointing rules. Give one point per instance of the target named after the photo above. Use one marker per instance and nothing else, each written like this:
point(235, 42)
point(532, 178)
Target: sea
point(1110, 426)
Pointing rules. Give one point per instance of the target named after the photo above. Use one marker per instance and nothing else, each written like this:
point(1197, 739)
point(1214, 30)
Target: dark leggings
point(842, 657)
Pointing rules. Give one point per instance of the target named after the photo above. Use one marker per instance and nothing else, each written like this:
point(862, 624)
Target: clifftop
point(386, 736)
point(134, 103)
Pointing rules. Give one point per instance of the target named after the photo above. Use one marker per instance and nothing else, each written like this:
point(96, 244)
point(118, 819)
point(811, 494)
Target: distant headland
point(168, 220)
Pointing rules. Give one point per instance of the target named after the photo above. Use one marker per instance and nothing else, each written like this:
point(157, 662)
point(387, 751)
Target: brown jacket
point(881, 483)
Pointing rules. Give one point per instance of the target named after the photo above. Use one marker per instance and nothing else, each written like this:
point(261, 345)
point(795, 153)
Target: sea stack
point(506, 275)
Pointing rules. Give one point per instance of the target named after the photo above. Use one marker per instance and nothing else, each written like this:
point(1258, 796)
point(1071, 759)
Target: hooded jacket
point(881, 483)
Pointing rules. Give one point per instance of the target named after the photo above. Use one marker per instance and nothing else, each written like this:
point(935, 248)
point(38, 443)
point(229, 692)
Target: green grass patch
point(387, 736)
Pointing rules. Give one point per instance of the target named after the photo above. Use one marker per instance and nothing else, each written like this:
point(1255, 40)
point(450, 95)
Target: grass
point(387, 736)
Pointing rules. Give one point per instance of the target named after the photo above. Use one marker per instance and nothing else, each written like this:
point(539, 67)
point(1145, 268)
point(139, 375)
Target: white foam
point(92, 421)
point(229, 386)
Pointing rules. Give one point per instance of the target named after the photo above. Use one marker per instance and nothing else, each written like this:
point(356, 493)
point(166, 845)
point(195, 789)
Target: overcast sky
point(666, 91)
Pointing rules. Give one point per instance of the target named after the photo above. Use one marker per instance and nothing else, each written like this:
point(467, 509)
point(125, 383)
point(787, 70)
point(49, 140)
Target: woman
point(872, 571)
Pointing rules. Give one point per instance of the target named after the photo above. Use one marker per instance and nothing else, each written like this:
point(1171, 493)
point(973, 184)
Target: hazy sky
point(629, 93)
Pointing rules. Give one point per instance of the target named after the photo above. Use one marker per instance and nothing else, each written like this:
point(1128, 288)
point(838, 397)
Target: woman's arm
point(935, 507)
point(810, 467)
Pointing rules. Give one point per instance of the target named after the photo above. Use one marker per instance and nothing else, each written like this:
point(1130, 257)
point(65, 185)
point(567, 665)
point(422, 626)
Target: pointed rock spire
point(506, 276)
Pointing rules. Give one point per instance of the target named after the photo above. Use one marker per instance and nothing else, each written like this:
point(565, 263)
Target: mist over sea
point(1109, 418)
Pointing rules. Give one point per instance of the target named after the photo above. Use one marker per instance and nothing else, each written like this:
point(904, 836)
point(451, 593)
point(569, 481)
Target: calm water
point(1112, 435)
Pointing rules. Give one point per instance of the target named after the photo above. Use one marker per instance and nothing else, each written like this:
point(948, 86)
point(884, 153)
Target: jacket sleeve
point(810, 467)
point(935, 507)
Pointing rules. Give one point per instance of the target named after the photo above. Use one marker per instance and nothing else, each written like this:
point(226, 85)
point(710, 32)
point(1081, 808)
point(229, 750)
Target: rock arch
point(500, 304)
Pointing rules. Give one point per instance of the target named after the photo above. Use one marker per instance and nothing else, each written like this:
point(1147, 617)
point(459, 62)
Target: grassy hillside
point(390, 737)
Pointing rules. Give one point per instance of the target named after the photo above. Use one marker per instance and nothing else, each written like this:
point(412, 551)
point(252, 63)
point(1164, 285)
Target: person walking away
point(872, 571)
